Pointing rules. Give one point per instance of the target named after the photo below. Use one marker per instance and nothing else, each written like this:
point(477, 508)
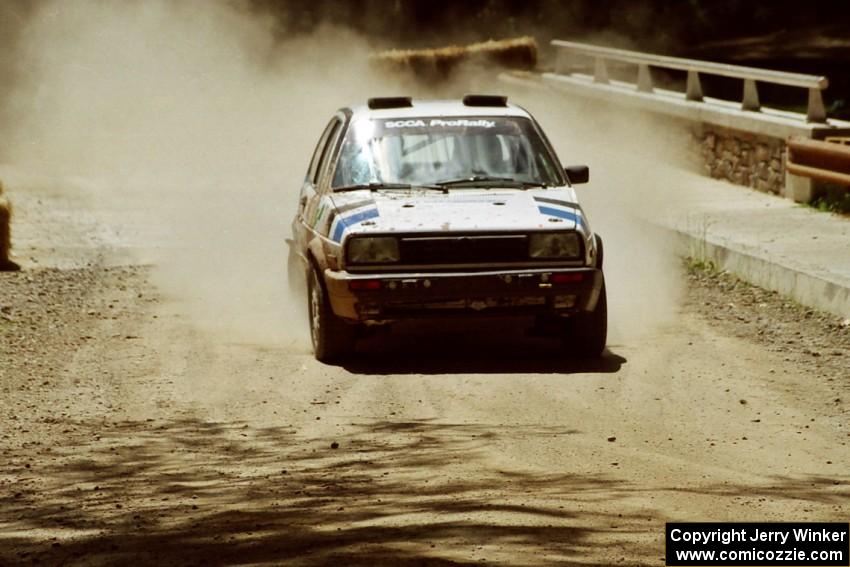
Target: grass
point(698, 265)
point(708, 270)
point(834, 199)
point(516, 53)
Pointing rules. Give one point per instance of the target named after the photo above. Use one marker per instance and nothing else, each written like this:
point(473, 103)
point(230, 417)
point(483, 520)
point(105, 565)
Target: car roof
point(436, 108)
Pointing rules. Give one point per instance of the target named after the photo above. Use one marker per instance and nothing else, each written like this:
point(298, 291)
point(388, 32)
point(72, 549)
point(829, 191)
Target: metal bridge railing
point(819, 160)
point(695, 68)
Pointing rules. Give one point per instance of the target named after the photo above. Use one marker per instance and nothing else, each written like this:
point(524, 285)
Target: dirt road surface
point(131, 435)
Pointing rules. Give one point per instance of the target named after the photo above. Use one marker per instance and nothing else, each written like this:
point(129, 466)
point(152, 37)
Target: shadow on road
point(393, 493)
point(477, 363)
point(193, 492)
point(470, 347)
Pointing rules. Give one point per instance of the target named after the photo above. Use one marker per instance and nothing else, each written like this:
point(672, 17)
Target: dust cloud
point(634, 159)
point(199, 114)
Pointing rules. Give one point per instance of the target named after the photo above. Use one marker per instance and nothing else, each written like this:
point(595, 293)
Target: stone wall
point(743, 158)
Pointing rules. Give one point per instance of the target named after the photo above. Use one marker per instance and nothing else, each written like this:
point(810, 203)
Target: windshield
point(428, 151)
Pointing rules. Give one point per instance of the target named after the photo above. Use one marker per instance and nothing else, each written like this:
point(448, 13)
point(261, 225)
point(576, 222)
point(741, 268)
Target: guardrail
point(838, 139)
point(695, 68)
point(821, 161)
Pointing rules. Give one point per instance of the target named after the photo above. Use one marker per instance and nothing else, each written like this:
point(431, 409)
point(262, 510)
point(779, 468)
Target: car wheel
point(332, 338)
point(587, 332)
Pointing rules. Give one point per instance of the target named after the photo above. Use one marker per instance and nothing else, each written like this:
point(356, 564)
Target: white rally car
point(414, 209)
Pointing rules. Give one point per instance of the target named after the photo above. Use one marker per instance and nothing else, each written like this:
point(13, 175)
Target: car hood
point(462, 210)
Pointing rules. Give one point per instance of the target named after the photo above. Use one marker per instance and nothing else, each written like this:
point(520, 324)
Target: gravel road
point(129, 434)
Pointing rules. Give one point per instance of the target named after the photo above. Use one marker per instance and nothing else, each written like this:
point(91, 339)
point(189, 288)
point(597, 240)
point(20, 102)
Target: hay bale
point(517, 53)
point(6, 264)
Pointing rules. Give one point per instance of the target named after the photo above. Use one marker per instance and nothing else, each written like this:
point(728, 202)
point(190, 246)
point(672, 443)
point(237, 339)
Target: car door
point(309, 196)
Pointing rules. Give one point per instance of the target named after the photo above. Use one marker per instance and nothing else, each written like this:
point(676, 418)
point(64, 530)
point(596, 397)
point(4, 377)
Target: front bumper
point(390, 297)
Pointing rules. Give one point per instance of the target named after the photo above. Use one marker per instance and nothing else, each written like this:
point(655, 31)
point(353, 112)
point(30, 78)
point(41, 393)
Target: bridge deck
point(769, 241)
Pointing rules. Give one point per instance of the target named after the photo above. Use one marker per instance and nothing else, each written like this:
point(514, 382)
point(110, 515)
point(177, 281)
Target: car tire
point(333, 339)
point(600, 251)
point(587, 332)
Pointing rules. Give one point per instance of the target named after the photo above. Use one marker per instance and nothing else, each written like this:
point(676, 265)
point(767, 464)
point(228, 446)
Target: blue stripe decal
point(578, 219)
point(351, 221)
point(559, 213)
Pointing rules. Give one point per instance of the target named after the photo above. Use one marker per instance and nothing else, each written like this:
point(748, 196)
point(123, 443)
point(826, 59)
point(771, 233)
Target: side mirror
point(577, 174)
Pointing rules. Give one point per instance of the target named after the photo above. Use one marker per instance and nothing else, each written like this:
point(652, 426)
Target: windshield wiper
point(490, 180)
point(375, 186)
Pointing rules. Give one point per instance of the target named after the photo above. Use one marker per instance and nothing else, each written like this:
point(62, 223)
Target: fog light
point(364, 285)
point(570, 277)
point(564, 301)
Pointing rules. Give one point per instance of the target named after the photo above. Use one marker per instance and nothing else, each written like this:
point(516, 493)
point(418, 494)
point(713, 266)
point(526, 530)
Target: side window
point(327, 151)
point(313, 172)
point(355, 164)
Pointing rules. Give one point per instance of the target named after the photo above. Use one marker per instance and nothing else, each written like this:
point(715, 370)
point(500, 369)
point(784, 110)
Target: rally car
point(444, 208)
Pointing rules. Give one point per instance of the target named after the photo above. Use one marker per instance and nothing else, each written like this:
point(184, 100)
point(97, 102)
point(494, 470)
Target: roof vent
point(390, 102)
point(485, 100)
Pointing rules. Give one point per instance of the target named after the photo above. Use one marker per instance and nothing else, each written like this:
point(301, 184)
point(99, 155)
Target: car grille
point(467, 253)
point(461, 250)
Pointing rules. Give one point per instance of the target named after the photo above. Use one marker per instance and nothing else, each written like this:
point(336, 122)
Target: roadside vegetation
point(835, 199)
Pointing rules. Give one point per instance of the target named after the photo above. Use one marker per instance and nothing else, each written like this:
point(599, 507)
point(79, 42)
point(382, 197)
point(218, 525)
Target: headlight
point(373, 250)
point(554, 245)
